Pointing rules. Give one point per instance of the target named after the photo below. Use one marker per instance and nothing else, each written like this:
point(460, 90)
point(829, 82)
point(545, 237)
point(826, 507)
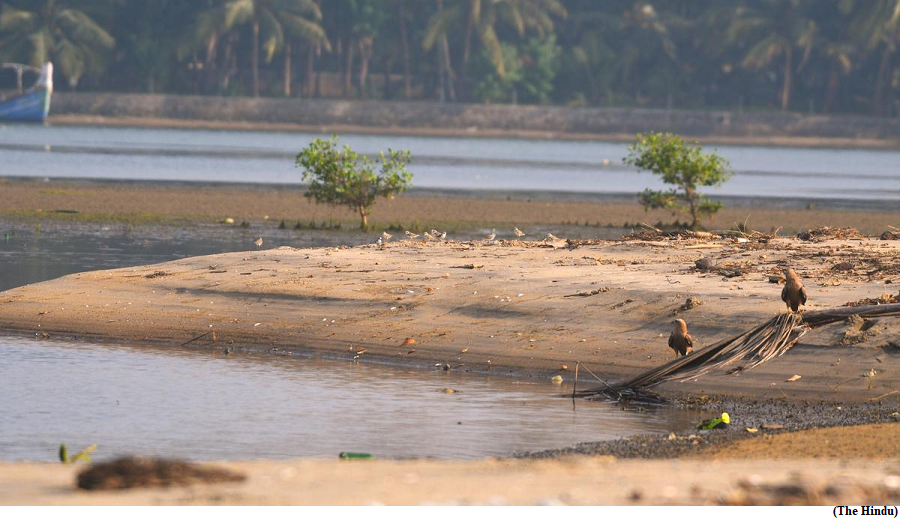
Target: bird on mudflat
point(258, 243)
point(793, 294)
point(550, 237)
point(410, 235)
point(680, 340)
point(493, 235)
point(386, 236)
point(380, 242)
point(518, 232)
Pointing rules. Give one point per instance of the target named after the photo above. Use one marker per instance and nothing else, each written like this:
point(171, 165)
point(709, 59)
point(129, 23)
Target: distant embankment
point(471, 119)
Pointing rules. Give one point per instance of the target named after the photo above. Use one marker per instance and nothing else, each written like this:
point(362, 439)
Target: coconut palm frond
point(751, 349)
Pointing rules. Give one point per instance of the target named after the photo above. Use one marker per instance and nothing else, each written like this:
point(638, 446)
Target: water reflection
point(215, 406)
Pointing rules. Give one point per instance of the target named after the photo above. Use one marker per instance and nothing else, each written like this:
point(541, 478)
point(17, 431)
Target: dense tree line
point(802, 55)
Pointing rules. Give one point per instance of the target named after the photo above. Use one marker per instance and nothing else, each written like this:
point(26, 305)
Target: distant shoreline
point(421, 118)
point(722, 140)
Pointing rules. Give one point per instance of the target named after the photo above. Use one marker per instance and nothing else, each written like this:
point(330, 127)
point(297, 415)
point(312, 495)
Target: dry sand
point(505, 307)
point(575, 481)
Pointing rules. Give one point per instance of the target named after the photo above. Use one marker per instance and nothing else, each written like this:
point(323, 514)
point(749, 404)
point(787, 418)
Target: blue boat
point(33, 104)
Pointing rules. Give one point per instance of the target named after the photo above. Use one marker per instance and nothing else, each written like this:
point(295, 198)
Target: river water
point(206, 406)
point(438, 162)
point(209, 405)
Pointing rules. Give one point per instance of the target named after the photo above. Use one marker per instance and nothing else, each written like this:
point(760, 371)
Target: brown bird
point(680, 340)
point(793, 294)
point(258, 243)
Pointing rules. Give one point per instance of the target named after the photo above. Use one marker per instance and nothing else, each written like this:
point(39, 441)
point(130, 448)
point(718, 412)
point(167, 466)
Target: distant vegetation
point(819, 56)
point(341, 177)
point(684, 166)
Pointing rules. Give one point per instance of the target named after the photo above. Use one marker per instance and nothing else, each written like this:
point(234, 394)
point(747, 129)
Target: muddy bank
point(770, 429)
point(505, 308)
point(582, 216)
point(572, 481)
point(476, 120)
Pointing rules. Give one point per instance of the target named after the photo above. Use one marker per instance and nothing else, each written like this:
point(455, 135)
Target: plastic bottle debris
point(715, 423)
point(355, 456)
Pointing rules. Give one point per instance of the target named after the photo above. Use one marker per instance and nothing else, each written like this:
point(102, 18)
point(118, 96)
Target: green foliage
point(48, 30)
point(682, 165)
point(343, 177)
point(529, 72)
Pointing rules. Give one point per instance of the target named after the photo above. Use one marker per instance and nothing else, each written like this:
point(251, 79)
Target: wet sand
point(140, 203)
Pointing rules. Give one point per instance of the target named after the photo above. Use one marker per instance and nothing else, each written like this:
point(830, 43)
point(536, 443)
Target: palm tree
point(53, 31)
point(272, 22)
point(771, 32)
point(878, 24)
point(483, 18)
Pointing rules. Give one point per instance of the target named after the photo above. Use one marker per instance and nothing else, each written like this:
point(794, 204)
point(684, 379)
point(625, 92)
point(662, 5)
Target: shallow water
point(208, 405)
point(438, 162)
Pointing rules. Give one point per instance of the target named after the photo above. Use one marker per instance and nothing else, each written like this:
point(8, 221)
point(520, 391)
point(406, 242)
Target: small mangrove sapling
point(343, 177)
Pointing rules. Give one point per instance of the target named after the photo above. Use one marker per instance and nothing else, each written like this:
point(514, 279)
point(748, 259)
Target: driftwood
point(751, 349)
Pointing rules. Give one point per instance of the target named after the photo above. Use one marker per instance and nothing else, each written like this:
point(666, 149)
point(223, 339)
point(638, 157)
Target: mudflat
point(138, 203)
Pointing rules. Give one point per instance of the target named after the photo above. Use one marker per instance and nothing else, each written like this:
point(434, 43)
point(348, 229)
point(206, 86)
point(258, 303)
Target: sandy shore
point(141, 203)
point(511, 308)
point(193, 124)
point(573, 481)
point(505, 308)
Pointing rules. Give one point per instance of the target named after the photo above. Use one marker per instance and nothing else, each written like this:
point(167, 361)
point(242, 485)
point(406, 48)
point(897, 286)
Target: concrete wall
point(316, 112)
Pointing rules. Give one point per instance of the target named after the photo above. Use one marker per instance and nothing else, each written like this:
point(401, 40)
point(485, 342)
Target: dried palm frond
point(753, 347)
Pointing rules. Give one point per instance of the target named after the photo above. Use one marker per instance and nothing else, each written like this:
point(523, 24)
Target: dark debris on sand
point(135, 472)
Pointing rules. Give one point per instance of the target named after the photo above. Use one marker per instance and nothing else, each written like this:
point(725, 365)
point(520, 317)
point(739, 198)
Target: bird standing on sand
point(410, 235)
point(493, 235)
point(258, 243)
point(793, 294)
point(550, 237)
point(680, 340)
point(386, 236)
point(380, 242)
point(518, 232)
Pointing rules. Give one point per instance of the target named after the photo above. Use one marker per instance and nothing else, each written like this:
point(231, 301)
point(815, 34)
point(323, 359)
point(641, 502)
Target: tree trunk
point(451, 92)
point(407, 78)
point(881, 80)
point(255, 63)
point(210, 65)
point(364, 217)
point(467, 51)
point(786, 90)
point(287, 70)
point(309, 77)
point(348, 70)
point(692, 200)
point(366, 43)
point(834, 82)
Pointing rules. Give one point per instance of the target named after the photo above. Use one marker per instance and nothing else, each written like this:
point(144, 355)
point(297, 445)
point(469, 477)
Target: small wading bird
point(680, 340)
point(550, 237)
point(518, 232)
point(386, 236)
point(380, 242)
point(258, 243)
point(493, 235)
point(410, 235)
point(793, 294)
